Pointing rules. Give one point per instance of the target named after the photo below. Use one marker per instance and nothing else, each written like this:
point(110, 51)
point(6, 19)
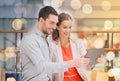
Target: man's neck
point(40, 29)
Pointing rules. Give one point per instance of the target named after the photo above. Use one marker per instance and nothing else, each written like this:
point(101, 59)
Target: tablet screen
point(93, 54)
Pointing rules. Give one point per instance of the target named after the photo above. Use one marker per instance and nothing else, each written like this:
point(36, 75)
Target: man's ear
point(41, 20)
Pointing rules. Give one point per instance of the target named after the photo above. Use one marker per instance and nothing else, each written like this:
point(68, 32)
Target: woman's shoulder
point(51, 41)
point(77, 40)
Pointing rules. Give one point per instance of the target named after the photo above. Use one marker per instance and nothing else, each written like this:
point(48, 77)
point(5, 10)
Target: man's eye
point(52, 23)
point(64, 27)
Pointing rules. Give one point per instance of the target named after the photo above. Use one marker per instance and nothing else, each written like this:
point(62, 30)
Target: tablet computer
point(93, 54)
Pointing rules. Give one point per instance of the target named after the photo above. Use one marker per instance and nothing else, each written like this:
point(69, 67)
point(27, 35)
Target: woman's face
point(65, 28)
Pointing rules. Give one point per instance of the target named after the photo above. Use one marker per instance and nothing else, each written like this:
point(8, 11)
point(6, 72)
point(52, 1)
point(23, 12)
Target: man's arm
point(33, 52)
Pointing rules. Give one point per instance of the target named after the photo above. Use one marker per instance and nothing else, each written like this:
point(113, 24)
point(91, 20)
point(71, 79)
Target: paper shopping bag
point(2, 74)
point(99, 75)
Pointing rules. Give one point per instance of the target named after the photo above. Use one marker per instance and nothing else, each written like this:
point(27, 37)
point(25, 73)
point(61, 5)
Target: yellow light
point(98, 43)
point(110, 73)
point(108, 24)
point(116, 71)
point(110, 56)
point(75, 4)
point(87, 9)
point(17, 24)
point(113, 72)
point(9, 52)
point(106, 5)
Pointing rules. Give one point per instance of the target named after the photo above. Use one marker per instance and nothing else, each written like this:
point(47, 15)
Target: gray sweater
point(36, 58)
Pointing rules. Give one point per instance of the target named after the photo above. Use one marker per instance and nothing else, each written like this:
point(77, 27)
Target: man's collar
point(40, 33)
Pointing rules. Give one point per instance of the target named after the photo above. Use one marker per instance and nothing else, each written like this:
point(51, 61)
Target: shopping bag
point(2, 74)
point(99, 75)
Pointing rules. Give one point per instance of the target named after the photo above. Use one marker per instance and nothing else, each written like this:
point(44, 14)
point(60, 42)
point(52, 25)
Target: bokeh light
point(57, 3)
point(110, 56)
point(106, 5)
point(98, 43)
point(87, 9)
point(75, 4)
point(108, 24)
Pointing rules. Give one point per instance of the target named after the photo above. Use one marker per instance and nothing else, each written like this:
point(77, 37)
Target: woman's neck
point(64, 41)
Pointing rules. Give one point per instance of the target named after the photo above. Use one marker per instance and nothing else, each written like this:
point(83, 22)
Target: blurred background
point(87, 15)
point(97, 22)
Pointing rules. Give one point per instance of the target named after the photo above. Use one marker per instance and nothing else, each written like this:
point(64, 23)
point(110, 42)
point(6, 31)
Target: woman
point(66, 49)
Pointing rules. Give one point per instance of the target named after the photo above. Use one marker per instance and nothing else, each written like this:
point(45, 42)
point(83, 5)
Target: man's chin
point(50, 33)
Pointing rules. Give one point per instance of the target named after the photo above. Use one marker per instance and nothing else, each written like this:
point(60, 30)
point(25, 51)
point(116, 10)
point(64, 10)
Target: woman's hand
point(90, 67)
point(99, 59)
point(79, 62)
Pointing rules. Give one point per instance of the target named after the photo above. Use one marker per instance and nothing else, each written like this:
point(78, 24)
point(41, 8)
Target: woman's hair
point(61, 17)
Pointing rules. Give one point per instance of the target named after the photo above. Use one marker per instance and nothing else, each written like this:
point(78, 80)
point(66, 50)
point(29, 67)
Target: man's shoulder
point(28, 38)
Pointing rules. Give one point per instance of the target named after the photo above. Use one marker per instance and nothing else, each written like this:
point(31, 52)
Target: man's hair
point(46, 11)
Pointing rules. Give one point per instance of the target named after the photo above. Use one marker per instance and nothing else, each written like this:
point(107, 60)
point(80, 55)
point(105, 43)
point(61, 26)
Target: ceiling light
point(9, 52)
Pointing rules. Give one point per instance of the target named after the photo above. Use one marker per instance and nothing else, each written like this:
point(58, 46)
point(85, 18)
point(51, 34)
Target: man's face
point(49, 24)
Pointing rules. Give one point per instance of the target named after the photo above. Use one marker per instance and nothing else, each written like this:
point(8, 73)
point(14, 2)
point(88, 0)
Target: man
point(35, 53)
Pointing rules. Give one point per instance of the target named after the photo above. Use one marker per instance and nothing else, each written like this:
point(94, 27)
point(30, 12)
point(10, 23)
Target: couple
point(59, 59)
